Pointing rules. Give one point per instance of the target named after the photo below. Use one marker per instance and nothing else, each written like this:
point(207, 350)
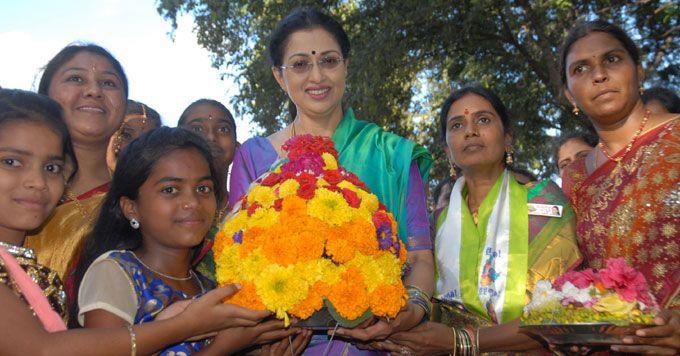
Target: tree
point(408, 55)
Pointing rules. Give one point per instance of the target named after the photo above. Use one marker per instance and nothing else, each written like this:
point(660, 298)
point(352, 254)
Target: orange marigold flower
point(388, 299)
point(313, 302)
point(221, 241)
point(246, 297)
point(349, 296)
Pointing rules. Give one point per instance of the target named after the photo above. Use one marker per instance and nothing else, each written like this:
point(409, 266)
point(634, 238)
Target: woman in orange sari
point(626, 191)
point(91, 87)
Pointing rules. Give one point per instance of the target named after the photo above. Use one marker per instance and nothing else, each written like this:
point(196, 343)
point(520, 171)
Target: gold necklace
point(188, 277)
point(630, 144)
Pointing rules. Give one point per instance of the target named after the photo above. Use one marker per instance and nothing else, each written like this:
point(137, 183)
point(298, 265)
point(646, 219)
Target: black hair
point(112, 230)
point(304, 18)
point(230, 118)
point(448, 180)
point(25, 106)
point(70, 51)
point(588, 138)
point(582, 29)
point(139, 108)
point(668, 98)
point(485, 93)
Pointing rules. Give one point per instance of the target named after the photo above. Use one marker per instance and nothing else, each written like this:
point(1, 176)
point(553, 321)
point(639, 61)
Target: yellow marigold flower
point(321, 269)
point(227, 264)
point(235, 223)
point(312, 303)
point(377, 270)
point(330, 207)
point(348, 185)
point(369, 202)
point(246, 297)
point(250, 268)
point(387, 300)
point(280, 289)
point(263, 195)
point(288, 187)
point(329, 161)
point(263, 218)
point(349, 296)
point(322, 183)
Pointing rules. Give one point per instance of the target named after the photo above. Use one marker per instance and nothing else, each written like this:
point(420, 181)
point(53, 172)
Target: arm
point(24, 335)
point(242, 174)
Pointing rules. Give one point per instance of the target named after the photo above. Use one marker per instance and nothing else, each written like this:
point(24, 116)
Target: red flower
point(271, 179)
point(352, 178)
point(628, 283)
point(278, 204)
point(304, 144)
point(333, 176)
point(253, 207)
point(351, 197)
point(305, 178)
point(306, 191)
point(580, 279)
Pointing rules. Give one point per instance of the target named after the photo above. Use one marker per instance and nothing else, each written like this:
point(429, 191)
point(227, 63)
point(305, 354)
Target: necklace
point(190, 274)
point(630, 144)
point(18, 251)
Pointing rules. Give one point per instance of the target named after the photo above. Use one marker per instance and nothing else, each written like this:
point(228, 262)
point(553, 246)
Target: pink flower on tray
point(628, 283)
point(580, 279)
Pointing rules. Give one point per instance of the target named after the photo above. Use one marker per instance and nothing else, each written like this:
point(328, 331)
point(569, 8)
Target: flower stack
point(310, 234)
point(617, 294)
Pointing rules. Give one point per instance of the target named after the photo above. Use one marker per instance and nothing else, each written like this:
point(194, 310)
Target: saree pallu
point(552, 251)
point(58, 241)
point(631, 209)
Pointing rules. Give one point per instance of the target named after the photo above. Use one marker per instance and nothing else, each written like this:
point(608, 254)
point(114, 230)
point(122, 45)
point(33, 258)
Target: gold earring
point(509, 156)
point(641, 90)
point(452, 172)
point(576, 111)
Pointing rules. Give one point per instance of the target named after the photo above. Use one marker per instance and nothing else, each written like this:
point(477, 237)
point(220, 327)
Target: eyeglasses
point(304, 66)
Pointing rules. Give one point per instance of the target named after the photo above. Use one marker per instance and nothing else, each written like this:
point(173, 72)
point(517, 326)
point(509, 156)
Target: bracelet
point(133, 341)
point(477, 352)
point(418, 297)
point(453, 349)
point(464, 343)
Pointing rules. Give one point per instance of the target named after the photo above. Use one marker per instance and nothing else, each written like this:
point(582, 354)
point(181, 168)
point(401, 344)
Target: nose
point(315, 74)
point(35, 179)
point(471, 130)
point(600, 74)
point(190, 200)
point(93, 89)
point(210, 135)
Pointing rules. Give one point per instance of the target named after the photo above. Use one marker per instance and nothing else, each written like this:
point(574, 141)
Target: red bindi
point(467, 111)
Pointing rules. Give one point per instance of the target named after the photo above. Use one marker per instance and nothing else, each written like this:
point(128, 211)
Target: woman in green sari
point(310, 56)
point(494, 241)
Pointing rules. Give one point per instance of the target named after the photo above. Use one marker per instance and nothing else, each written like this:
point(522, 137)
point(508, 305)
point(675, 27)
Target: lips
point(91, 109)
point(318, 93)
point(31, 203)
point(603, 93)
point(473, 147)
point(191, 221)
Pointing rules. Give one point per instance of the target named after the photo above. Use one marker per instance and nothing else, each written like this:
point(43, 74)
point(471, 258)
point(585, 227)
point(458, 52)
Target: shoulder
point(255, 145)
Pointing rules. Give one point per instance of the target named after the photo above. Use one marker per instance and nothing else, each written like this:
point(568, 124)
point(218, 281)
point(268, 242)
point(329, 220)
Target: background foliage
point(408, 55)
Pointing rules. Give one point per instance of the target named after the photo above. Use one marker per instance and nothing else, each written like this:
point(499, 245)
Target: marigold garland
point(310, 231)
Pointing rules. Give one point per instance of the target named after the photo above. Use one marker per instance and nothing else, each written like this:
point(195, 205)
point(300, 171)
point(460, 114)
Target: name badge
point(553, 211)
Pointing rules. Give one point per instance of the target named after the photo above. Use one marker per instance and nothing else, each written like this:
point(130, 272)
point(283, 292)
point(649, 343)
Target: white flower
point(543, 294)
point(571, 291)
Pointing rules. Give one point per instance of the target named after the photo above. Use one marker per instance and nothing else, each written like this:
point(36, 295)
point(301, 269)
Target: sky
point(165, 74)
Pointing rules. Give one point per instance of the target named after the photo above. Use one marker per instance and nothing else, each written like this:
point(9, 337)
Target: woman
point(31, 298)
point(572, 146)
point(494, 241)
point(310, 57)
point(139, 118)
point(91, 87)
point(625, 191)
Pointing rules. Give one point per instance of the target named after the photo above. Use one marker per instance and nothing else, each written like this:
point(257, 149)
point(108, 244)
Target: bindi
point(467, 111)
point(313, 52)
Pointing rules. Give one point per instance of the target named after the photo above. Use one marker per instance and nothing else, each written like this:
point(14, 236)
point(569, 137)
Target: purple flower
point(238, 237)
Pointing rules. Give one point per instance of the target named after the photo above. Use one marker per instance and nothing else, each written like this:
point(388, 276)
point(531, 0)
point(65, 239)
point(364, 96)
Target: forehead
point(185, 163)
point(205, 110)
point(21, 135)
point(472, 103)
point(573, 145)
point(88, 60)
point(593, 44)
point(306, 41)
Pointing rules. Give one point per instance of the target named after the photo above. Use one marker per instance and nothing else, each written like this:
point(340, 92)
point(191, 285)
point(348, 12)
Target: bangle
point(477, 352)
point(453, 349)
point(418, 297)
point(133, 341)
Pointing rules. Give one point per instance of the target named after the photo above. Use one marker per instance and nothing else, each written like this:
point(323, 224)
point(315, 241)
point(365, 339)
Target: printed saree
point(631, 209)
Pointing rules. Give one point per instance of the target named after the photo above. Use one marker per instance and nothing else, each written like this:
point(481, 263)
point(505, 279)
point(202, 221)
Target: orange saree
point(631, 209)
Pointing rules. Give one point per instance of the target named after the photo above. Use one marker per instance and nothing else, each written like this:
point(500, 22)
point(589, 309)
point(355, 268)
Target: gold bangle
point(454, 342)
point(133, 341)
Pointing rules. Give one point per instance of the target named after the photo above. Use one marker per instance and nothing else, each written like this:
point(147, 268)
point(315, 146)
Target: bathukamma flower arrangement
point(310, 234)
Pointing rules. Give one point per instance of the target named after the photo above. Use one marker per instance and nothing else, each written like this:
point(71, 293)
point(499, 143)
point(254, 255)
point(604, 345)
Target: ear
point(128, 207)
point(278, 75)
point(567, 94)
point(640, 74)
point(449, 154)
point(508, 139)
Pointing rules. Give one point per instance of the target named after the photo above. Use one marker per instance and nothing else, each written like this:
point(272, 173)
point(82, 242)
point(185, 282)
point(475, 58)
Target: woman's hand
point(429, 338)
point(294, 346)
point(232, 340)
point(207, 313)
point(662, 339)
point(408, 317)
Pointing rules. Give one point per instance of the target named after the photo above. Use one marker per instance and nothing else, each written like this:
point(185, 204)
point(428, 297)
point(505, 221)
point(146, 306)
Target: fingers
point(644, 349)
point(657, 331)
point(300, 341)
point(378, 330)
point(235, 311)
point(276, 335)
point(387, 346)
point(216, 296)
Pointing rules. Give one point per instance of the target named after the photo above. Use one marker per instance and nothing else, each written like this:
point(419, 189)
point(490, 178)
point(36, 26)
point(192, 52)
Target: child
point(137, 260)
point(139, 118)
point(32, 178)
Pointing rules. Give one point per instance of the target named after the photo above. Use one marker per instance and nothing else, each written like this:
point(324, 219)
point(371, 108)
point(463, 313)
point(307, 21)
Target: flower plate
point(582, 334)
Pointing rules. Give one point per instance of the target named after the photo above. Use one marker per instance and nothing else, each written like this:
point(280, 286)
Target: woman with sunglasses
point(310, 56)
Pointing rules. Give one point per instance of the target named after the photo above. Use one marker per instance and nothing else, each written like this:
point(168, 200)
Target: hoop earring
point(134, 223)
point(509, 157)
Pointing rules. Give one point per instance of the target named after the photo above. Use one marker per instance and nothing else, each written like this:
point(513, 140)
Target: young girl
point(32, 180)
point(139, 118)
point(137, 260)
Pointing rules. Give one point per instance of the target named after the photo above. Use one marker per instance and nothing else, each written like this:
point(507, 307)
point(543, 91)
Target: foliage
point(408, 55)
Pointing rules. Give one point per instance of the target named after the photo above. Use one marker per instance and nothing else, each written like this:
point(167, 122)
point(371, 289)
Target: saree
point(58, 241)
point(549, 250)
point(631, 209)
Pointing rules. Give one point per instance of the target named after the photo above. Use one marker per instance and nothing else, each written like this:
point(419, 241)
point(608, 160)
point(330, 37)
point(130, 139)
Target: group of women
point(97, 194)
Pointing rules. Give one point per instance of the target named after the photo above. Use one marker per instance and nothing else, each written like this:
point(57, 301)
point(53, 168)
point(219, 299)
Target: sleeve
point(418, 223)
point(241, 175)
point(106, 286)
